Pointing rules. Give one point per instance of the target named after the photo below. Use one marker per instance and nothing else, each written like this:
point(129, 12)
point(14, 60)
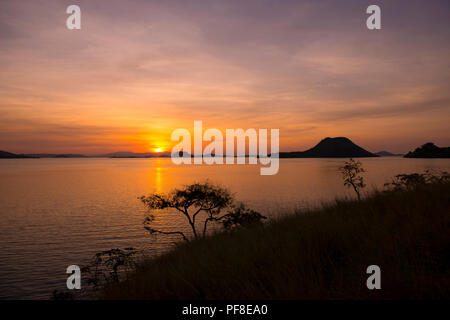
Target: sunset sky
point(137, 70)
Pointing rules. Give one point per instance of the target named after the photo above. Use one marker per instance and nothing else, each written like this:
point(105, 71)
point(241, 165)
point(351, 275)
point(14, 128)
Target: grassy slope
point(314, 255)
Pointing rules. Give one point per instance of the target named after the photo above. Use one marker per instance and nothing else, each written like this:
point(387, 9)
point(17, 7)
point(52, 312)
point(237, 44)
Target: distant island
point(9, 155)
point(388, 154)
point(339, 147)
point(429, 150)
point(121, 154)
point(126, 154)
point(51, 155)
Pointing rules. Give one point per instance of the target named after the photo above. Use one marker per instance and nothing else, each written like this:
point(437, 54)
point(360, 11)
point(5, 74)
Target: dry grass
point(320, 254)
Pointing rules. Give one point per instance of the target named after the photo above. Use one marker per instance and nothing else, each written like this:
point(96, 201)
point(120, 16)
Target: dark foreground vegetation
point(320, 254)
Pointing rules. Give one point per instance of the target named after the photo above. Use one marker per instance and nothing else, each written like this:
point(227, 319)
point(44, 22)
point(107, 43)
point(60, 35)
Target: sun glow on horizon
point(158, 150)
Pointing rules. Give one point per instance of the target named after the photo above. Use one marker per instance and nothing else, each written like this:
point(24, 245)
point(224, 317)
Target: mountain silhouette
point(429, 150)
point(339, 147)
point(9, 155)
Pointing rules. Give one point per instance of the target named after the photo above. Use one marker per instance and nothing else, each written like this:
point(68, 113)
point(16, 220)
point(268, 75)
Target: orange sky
point(138, 70)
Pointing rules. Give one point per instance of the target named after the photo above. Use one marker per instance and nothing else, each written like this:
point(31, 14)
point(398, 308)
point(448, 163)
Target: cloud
point(151, 66)
point(389, 111)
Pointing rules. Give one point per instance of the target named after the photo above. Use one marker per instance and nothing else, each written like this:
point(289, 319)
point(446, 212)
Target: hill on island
point(9, 155)
point(429, 150)
point(339, 147)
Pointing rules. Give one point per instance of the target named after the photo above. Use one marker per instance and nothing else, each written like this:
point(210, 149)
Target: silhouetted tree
point(351, 174)
point(200, 198)
point(241, 217)
point(415, 180)
point(106, 266)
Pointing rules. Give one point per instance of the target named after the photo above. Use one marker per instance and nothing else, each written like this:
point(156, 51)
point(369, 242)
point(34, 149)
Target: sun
point(158, 150)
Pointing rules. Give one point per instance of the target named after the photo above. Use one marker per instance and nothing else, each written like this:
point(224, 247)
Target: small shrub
point(415, 180)
point(106, 266)
point(351, 174)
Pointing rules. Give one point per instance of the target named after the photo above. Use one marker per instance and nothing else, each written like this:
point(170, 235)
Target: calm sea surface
point(59, 212)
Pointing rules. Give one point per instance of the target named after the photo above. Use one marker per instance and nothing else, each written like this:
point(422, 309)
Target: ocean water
point(59, 212)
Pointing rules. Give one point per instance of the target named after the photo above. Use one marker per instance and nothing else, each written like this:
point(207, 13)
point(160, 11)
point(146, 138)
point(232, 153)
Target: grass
point(321, 254)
